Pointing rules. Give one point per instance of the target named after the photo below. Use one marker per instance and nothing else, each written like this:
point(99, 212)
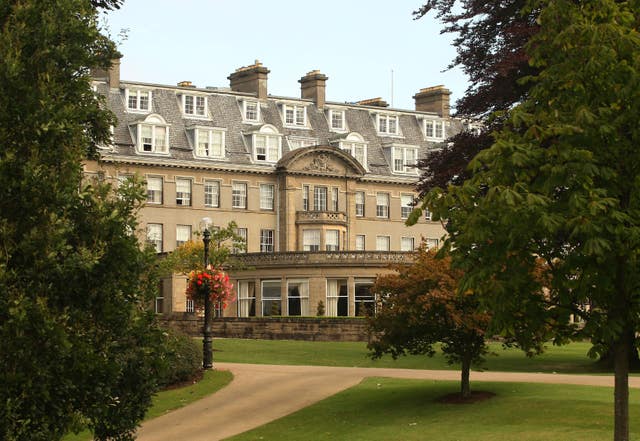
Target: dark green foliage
point(554, 202)
point(75, 339)
point(181, 359)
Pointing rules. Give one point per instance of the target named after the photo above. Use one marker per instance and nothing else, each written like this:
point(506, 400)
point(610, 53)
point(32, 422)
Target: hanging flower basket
point(213, 282)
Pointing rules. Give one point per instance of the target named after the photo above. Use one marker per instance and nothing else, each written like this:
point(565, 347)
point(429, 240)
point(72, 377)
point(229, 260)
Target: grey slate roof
point(224, 109)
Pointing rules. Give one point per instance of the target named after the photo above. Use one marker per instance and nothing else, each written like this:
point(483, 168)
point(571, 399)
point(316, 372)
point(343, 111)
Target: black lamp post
point(207, 350)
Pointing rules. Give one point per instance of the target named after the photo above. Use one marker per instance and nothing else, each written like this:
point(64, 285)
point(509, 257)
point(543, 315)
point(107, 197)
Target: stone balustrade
point(321, 217)
point(325, 258)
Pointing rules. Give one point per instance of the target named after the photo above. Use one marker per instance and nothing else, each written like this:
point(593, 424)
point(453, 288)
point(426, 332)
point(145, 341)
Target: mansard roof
point(224, 111)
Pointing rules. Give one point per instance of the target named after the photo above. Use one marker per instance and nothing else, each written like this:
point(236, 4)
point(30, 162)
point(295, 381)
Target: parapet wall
point(284, 328)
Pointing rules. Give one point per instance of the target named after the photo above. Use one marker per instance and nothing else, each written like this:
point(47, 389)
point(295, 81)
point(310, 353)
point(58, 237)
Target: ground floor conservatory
point(332, 284)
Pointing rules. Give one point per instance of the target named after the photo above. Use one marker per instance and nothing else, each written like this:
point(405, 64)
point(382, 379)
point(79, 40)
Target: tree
point(490, 41)
point(419, 306)
point(76, 340)
point(189, 256)
point(561, 184)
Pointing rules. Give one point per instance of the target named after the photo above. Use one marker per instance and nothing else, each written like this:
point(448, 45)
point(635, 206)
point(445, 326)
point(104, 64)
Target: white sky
point(356, 43)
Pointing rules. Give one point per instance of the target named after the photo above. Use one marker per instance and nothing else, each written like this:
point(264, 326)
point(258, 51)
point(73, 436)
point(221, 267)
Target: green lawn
point(169, 400)
point(565, 359)
point(404, 410)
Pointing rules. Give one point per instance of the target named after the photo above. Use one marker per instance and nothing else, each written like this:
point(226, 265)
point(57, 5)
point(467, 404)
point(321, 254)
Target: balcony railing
point(325, 258)
point(321, 217)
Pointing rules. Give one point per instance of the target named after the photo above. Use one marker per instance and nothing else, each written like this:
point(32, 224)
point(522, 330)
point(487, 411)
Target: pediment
point(323, 160)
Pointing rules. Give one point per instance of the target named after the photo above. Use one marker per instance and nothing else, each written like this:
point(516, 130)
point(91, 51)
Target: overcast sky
point(367, 48)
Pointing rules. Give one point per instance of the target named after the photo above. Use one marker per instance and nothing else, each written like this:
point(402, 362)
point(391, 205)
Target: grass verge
point(570, 358)
point(406, 410)
point(168, 400)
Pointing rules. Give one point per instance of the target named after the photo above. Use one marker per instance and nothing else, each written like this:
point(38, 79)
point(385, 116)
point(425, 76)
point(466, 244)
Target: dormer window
point(337, 120)
point(404, 159)
point(209, 142)
point(294, 115)
point(194, 105)
point(355, 145)
point(250, 111)
point(434, 129)
point(266, 144)
point(138, 99)
point(296, 142)
point(152, 135)
point(387, 124)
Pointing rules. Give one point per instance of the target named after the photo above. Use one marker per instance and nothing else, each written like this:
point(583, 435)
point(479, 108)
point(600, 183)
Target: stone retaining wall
point(285, 328)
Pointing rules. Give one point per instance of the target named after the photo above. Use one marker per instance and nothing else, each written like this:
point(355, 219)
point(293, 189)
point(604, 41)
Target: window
point(298, 297)
point(360, 242)
point(337, 298)
point(138, 99)
point(154, 236)
point(194, 105)
point(383, 243)
point(250, 111)
point(387, 124)
point(271, 303)
point(183, 192)
point(434, 129)
point(427, 215)
point(266, 196)
point(336, 119)
point(305, 198)
point(354, 144)
point(320, 198)
point(240, 247)
point(334, 199)
point(152, 135)
point(407, 244)
point(239, 195)
point(266, 241)
point(359, 203)
point(332, 240)
point(154, 190)
point(364, 297)
point(266, 144)
point(190, 306)
point(294, 115)
point(296, 142)
point(405, 159)
point(406, 205)
point(311, 240)
point(246, 298)
point(432, 243)
point(382, 205)
point(159, 303)
point(209, 143)
point(183, 234)
point(211, 194)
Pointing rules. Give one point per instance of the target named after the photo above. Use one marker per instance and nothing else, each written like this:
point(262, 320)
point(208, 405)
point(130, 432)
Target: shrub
point(181, 359)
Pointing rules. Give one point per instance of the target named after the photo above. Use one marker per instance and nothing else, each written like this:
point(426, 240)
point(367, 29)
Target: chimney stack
point(312, 86)
point(250, 79)
point(111, 76)
point(376, 102)
point(433, 99)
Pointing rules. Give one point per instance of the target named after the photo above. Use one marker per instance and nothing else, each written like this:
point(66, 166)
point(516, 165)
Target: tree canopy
point(560, 183)
point(76, 340)
point(419, 307)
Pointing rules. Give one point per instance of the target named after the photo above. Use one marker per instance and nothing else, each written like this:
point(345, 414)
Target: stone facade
point(321, 190)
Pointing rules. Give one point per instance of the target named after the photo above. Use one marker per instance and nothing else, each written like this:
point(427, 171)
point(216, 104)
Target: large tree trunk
point(465, 387)
point(622, 349)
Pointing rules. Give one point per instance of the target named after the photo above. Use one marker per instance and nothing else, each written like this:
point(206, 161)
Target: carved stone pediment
point(325, 160)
